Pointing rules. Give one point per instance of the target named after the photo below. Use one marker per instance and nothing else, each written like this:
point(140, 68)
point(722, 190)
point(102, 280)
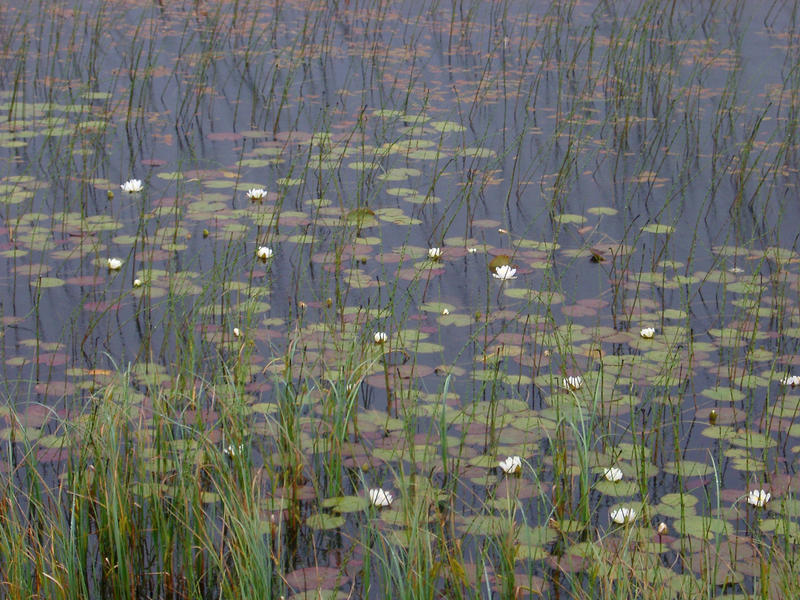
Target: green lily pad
point(425, 154)
point(689, 468)
point(447, 126)
point(677, 505)
point(617, 488)
point(528, 552)
point(602, 210)
point(387, 113)
point(346, 504)
point(487, 525)
point(703, 527)
point(790, 529)
point(752, 439)
point(658, 228)
point(399, 174)
point(569, 218)
point(363, 166)
point(725, 394)
point(477, 152)
point(49, 282)
point(325, 521)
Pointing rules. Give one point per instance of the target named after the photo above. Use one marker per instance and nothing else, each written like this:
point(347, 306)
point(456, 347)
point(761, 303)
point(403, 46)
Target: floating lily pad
point(399, 174)
point(346, 504)
point(569, 218)
point(315, 578)
point(752, 439)
point(425, 154)
point(324, 521)
point(447, 126)
point(487, 525)
point(478, 152)
point(658, 228)
point(48, 282)
point(702, 527)
point(320, 594)
point(617, 488)
point(363, 166)
point(689, 468)
point(386, 113)
point(602, 210)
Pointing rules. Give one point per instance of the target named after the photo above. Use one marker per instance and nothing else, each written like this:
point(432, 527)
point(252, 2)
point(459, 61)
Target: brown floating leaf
point(51, 358)
point(310, 578)
point(51, 455)
point(86, 280)
point(577, 310)
point(55, 388)
point(36, 415)
point(224, 136)
point(101, 306)
point(499, 261)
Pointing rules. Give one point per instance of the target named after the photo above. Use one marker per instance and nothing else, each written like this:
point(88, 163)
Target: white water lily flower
point(662, 528)
point(256, 194)
point(572, 383)
point(472, 250)
point(792, 380)
point(504, 273)
point(137, 283)
point(647, 333)
point(264, 252)
point(445, 311)
point(232, 450)
point(380, 337)
point(434, 253)
point(613, 474)
point(132, 186)
point(623, 515)
point(758, 498)
point(513, 464)
point(114, 264)
point(380, 497)
point(237, 332)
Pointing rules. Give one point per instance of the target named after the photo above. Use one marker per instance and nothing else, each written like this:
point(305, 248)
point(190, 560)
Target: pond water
point(634, 163)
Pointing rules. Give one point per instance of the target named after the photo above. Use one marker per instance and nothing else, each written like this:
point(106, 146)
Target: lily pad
point(658, 228)
point(346, 504)
point(324, 521)
point(689, 468)
point(447, 126)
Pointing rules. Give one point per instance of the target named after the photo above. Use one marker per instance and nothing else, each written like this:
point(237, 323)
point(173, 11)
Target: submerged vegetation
point(370, 299)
